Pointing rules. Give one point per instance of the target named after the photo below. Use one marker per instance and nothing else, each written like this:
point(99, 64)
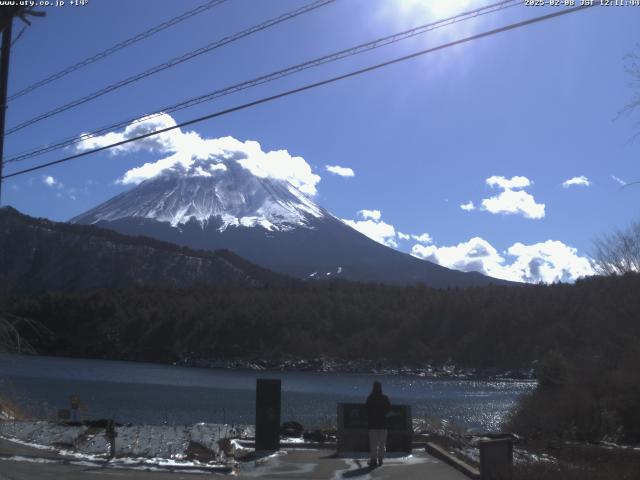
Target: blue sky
point(505, 120)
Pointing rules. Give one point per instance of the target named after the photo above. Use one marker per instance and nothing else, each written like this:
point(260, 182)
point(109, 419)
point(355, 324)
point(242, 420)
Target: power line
point(173, 62)
point(20, 33)
point(117, 47)
point(368, 46)
point(310, 86)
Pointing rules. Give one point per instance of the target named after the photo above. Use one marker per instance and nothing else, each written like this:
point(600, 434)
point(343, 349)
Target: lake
point(164, 394)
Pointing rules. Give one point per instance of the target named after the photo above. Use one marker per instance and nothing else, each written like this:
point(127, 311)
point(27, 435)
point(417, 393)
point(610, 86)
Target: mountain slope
point(38, 255)
point(265, 220)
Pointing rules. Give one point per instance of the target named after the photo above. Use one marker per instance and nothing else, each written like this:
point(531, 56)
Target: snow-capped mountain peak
point(223, 191)
point(224, 204)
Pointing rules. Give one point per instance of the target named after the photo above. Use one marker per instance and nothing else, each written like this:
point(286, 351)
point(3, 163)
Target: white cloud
point(341, 171)
point(508, 184)
point(468, 207)
point(550, 261)
point(422, 238)
point(370, 214)
point(172, 140)
point(277, 164)
point(373, 227)
point(512, 200)
point(618, 180)
point(201, 156)
point(577, 181)
point(49, 181)
point(475, 255)
point(61, 189)
point(381, 232)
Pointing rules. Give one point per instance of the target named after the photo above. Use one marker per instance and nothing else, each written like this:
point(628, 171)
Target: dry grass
point(581, 461)
point(9, 410)
point(546, 471)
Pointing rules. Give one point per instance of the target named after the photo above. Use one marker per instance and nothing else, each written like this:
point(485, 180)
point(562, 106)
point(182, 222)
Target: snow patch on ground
point(274, 464)
point(162, 445)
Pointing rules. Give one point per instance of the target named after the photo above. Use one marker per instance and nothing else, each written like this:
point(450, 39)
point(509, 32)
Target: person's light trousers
point(377, 441)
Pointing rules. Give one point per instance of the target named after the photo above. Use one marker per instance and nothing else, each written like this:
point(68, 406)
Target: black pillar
point(4, 80)
point(268, 414)
point(111, 434)
point(496, 458)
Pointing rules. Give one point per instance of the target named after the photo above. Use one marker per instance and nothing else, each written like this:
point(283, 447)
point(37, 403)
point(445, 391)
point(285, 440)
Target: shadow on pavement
point(357, 472)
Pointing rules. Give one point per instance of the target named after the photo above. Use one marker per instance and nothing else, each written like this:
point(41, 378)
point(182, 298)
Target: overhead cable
point(310, 86)
point(115, 48)
point(171, 63)
point(364, 47)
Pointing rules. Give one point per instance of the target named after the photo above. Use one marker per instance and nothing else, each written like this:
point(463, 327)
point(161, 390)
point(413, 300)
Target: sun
point(435, 9)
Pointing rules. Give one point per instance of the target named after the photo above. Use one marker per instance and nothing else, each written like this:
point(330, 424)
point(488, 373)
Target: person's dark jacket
point(377, 408)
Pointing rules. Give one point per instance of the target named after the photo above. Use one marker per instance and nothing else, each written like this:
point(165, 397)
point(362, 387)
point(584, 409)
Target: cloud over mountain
point(548, 262)
point(372, 225)
point(423, 238)
point(370, 214)
point(200, 156)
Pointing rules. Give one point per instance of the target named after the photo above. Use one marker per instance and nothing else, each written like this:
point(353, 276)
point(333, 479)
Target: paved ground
point(18, 462)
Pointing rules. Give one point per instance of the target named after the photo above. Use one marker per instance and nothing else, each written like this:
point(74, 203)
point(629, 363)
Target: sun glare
point(435, 9)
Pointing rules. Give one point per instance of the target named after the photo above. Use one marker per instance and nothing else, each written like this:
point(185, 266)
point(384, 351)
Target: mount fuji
point(265, 220)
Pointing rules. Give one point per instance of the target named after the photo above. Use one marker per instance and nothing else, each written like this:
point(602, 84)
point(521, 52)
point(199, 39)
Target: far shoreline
point(327, 366)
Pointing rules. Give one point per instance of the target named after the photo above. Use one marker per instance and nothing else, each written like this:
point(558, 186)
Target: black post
point(496, 458)
point(111, 434)
point(4, 80)
point(268, 414)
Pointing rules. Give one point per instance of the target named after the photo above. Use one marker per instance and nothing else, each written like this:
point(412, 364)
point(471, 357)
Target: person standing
point(378, 406)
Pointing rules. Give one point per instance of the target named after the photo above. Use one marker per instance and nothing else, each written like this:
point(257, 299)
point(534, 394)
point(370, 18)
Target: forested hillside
point(484, 326)
point(38, 255)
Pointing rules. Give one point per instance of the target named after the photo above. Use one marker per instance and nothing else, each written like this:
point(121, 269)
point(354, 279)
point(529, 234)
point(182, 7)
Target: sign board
point(353, 435)
point(355, 416)
point(74, 402)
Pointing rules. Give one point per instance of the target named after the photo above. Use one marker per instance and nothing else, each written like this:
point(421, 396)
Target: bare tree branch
point(11, 340)
point(632, 67)
point(618, 253)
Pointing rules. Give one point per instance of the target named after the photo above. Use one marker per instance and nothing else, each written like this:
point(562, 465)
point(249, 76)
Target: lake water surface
point(157, 394)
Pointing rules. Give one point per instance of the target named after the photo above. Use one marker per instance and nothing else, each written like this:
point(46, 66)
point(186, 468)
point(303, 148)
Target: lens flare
point(434, 8)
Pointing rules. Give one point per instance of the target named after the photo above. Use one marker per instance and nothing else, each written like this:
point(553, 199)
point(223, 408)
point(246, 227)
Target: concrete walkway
point(19, 462)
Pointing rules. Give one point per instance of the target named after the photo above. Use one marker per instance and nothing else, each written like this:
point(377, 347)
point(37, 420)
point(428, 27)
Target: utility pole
point(4, 80)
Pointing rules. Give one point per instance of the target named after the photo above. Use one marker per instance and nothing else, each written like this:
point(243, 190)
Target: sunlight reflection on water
point(156, 394)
